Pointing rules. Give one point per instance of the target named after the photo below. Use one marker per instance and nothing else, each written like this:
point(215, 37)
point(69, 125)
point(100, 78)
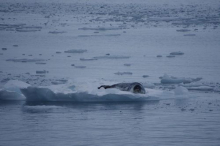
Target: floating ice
point(90, 59)
point(112, 57)
point(181, 90)
point(99, 35)
point(57, 32)
point(177, 53)
point(4, 49)
point(102, 28)
point(29, 29)
point(177, 80)
point(75, 51)
point(11, 90)
point(183, 30)
point(123, 73)
point(25, 60)
point(201, 88)
point(159, 55)
point(78, 92)
point(41, 72)
point(145, 76)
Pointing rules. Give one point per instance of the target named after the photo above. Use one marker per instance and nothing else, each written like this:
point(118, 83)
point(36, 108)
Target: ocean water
point(50, 97)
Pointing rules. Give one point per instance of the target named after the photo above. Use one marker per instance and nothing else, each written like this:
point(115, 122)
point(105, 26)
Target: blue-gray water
point(192, 122)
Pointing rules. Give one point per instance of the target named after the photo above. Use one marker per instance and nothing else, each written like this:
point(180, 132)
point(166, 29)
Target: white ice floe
point(201, 88)
point(11, 90)
point(180, 90)
point(76, 51)
point(166, 79)
point(177, 53)
point(80, 92)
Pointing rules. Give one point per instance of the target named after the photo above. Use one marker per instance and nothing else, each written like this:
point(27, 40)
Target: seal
point(134, 87)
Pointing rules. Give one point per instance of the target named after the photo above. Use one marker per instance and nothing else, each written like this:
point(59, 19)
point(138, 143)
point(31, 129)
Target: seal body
point(134, 87)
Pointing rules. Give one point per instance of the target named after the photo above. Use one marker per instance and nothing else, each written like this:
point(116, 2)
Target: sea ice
point(177, 53)
point(177, 80)
point(90, 59)
point(112, 57)
point(11, 90)
point(183, 30)
point(145, 76)
point(75, 51)
point(41, 72)
point(25, 60)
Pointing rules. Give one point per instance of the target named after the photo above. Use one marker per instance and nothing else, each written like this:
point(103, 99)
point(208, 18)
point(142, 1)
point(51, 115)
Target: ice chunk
point(4, 49)
point(41, 72)
point(90, 59)
point(56, 32)
point(177, 53)
point(25, 60)
point(183, 30)
point(181, 90)
point(112, 57)
point(145, 76)
point(11, 90)
point(201, 88)
point(159, 55)
point(177, 80)
point(28, 29)
point(75, 51)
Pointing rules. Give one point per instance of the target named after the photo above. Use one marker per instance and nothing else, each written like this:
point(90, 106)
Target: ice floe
point(76, 51)
point(177, 53)
point(26, 60)
point(11, 90)
point(112, 57)
point(87, 59)
point(123, 73)
point(166, 79)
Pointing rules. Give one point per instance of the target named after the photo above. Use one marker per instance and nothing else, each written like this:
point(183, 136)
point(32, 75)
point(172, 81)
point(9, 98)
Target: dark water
point(168, 122)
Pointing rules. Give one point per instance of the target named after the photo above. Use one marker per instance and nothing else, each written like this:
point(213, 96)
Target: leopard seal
point(134, 87)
